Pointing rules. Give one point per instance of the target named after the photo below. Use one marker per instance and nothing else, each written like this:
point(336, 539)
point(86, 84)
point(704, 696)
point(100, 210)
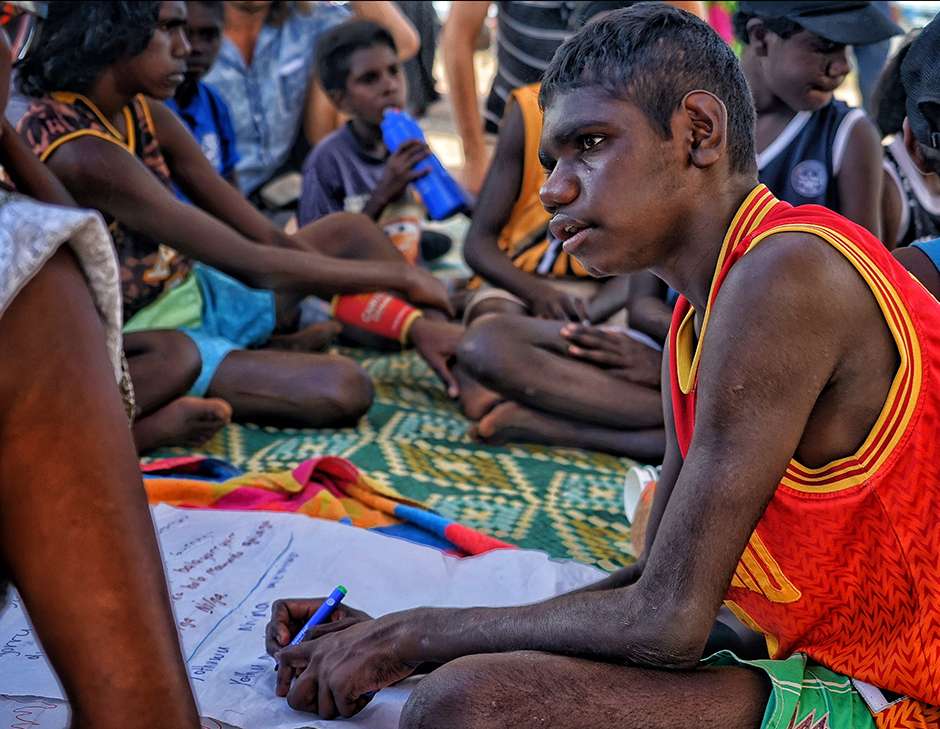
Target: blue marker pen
point(320, 616)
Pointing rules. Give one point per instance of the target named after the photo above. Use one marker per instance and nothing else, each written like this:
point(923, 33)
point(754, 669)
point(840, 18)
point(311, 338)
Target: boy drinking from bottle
point(352, 169)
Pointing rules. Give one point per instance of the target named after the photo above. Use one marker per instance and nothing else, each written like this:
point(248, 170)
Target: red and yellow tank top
point(844, 565)
point(147, 268)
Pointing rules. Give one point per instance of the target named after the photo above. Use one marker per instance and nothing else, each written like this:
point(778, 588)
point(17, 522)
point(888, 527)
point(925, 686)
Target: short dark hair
point(78, 40)
point(216, 7)
point(784, 27)
point(652, 55)
point(336, 47)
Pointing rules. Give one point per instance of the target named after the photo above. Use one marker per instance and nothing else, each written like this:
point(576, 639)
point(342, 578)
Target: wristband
point(377, 313)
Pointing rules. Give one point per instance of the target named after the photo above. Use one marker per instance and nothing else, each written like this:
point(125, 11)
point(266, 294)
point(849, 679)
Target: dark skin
point(799, 74)
point(376, 82)
point(800, 383)
point(494, 208)
point(204, 32)
point(340, 254)
point(88, 549)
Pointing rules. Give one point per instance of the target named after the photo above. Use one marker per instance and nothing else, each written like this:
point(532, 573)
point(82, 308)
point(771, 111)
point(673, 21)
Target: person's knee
point(485, 351)
point(449, 697)
point(347, 390)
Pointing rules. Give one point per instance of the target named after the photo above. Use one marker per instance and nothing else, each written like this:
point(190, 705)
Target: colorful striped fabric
point(327, 487)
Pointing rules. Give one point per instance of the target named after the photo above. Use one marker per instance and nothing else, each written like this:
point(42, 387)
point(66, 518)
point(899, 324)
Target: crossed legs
point(531, 690)
point(553, 398)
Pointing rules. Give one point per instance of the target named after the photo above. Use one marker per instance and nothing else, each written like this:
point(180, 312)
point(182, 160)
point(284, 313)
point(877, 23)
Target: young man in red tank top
point(799, 484)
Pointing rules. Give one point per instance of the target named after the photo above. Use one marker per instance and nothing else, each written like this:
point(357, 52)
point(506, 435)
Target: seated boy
point(911, 200)
point(799, 483)
point(351, 169)
point(77, 538)
point(199, 105)
point(117, 152)
point(812, 148)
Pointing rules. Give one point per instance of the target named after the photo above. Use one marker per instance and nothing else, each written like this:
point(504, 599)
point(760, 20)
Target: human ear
point(757, 36)
point(339, 101)
point(705, 127)
point(913, 148)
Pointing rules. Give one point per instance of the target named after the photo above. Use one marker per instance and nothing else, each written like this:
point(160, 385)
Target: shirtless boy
point(117, 152)
point(799, 481)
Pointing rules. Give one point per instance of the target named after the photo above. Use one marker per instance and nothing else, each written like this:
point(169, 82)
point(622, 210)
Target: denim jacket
point(267, 98)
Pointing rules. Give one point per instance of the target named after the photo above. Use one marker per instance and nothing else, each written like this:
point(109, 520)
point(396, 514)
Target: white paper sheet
point(226, 568)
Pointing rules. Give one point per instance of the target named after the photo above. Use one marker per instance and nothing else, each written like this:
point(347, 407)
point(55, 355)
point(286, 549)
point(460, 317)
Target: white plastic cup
point(634, 482)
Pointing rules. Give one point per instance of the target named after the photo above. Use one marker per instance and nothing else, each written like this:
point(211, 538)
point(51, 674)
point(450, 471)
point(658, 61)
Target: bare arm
point(649, 313)
point(860, 178)
point(756, 394)
point(457, 42)
point(30, 176)
point(388, 15)
point(200, 182)
point(891, 203)
point(494, 209)
point(104, 176)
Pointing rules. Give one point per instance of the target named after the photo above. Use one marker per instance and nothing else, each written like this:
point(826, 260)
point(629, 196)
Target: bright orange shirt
point(844, 565)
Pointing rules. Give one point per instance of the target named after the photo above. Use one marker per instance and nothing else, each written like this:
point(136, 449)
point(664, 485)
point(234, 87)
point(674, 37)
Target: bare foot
point(187, 421)
point(509, 422)
point(475, 400)
point(314, 338)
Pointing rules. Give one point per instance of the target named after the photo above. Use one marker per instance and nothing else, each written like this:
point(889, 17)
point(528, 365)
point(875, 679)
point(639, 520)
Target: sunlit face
point(613, 181)
point(162, 66)
point(376, 82)
point(804, 70)
point(204, 32)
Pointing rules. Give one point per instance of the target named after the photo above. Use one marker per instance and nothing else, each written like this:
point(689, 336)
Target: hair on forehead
point(652, 55)
point(79, 40)
point(216, 7)
point(337, 46)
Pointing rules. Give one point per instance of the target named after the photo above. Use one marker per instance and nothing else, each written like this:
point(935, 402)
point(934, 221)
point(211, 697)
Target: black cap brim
point(856, 27)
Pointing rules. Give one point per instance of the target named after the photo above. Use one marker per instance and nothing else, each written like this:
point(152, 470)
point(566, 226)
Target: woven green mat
point(566, 502)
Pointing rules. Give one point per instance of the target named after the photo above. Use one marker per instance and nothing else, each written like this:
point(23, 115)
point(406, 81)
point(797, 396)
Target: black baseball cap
point(920, 74)
point(852, 23)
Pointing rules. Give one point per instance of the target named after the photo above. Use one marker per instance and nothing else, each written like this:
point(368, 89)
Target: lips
point(570, 231)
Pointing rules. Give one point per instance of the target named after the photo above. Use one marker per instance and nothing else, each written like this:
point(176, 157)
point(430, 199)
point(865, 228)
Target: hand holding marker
point(320, 616)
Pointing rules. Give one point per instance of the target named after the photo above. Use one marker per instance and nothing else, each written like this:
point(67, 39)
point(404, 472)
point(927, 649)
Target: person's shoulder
point(797, 271)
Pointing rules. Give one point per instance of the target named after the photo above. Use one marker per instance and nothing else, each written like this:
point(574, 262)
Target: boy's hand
point(335, 676)
point(423, 289)
point(399, 169)
point(436, 342)
point(289, 616)
point(554, 304)
point(622, 355)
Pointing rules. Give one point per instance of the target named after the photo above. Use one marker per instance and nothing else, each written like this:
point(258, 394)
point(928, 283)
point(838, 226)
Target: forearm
point(610, 626)
point(457, 48)
point(389, 16)
point(30, 176)
point(611, 298)
point(486, 259)
point(652, 316)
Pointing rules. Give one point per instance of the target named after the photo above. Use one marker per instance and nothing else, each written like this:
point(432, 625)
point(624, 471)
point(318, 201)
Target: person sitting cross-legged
point(799, 484)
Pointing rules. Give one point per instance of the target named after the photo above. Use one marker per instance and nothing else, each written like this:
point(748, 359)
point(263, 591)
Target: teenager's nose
point(559, 189)
point(839, 63)
point(181, 46)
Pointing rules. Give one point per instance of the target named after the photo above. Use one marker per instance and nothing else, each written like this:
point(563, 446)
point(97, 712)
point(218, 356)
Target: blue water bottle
point(440, 193)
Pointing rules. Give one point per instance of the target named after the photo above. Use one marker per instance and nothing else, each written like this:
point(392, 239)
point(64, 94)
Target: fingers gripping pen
point(321, 615)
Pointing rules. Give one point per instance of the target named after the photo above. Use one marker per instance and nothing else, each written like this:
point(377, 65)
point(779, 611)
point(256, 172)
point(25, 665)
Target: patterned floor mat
point(566, 502)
